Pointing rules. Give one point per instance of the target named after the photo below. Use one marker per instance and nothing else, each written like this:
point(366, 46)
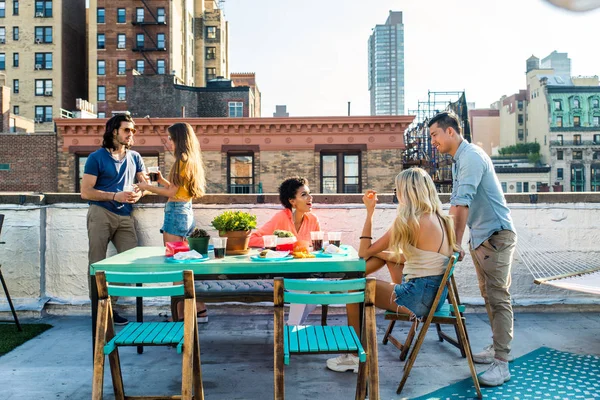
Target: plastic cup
point(317, 240)
point(270, 242)
point(153, 174)
point(128, 188)
point(335, 238)
point(220, 243)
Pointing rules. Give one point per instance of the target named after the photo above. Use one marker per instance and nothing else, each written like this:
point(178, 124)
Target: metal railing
point(574, 143)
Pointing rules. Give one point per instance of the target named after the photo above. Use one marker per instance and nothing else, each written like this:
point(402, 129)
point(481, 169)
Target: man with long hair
point(477, 201)
point(107, 183)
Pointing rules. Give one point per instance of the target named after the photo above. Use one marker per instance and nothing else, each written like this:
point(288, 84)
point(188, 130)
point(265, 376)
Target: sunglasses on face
point(129, 130)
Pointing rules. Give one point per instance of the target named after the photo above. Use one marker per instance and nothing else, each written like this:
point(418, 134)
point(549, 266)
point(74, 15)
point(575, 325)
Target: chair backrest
point(353, 291)
point(105, 282)
point(446, 281)
point(1, 222)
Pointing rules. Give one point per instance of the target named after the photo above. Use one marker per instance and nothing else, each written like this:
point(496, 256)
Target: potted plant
point(236, 226)
point(198, 240)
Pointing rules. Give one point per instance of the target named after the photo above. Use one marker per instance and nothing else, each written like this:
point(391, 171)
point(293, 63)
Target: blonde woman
point(186, 182)
point(426, 240)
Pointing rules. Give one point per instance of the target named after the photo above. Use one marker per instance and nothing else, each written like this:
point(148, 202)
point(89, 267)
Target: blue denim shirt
point(475, 185)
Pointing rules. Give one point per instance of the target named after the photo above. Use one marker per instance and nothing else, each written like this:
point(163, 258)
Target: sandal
point(202, 316)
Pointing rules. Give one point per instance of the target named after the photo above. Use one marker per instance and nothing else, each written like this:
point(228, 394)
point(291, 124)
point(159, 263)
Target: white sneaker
point(488, 355)
point(343, 363)
point(496, 374)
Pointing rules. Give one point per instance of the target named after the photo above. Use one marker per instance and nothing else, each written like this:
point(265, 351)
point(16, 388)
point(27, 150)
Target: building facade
point(485, 129)
point(240, 79)
point(42, 44)
point(150, 37)
point(386, 66)
point(559, 62)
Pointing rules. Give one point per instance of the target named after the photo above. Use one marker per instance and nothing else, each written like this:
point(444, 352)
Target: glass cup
point(153, 174)
point(335, 238)
point(128, 188)
point(317, 240)
point(270, 242)
point(220, 244)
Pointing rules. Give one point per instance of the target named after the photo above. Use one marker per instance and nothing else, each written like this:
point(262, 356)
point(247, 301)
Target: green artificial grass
point(10, 337)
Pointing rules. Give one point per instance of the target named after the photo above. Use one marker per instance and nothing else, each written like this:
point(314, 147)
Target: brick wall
point(32, 160)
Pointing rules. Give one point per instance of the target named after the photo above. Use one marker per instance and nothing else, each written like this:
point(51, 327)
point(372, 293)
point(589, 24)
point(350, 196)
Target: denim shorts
point(179, 218)
point(418, 294)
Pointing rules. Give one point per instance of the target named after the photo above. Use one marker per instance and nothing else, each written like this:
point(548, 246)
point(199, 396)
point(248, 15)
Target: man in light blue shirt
point(477, 201)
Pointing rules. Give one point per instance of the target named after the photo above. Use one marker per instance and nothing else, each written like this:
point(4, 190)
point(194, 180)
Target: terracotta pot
point(236, 240)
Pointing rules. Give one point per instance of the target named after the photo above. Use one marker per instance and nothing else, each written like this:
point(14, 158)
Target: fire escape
point(144, 23)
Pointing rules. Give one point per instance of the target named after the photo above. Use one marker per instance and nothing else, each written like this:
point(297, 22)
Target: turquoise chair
point(318, 339)
point(183, 335)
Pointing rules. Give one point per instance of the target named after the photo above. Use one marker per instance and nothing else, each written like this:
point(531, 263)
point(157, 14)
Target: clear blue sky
point(312, 54)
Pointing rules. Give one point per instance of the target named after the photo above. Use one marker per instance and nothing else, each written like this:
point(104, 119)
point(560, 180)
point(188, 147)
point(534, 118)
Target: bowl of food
point(285, 240)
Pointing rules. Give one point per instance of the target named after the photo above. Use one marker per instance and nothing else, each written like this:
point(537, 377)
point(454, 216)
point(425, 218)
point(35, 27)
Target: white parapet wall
point(44, 258)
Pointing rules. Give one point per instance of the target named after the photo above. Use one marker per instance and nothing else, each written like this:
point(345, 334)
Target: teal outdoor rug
point(542, 374)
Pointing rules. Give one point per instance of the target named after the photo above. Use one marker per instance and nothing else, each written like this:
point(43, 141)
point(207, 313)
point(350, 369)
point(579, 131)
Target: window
point(139, 65)
point(160, 67)
point(121, 93)
point(120, 15)
point(520, 119)
point(559, 174)
point(43, 87)
point(160, 41)
point(240, 172)
point(101, 70)
point(43, 60)
point(211, 53)
point(236, 109)
point(121, 66)
point(520, 133)
point(2, 61)
point(15, 86)
point(43, 34)
point(577, 178)
point(15, 7)
point(519, 187)
point(560, 155)
point(559, 122)
point(520, 104)
point(340, 172)
point(101, 114)
point(211, 73)
point(576, 120)
point(504, 189)
point(2, 8)
point(559, 139)
point(2, 35)
point(595, 171)
point(43, 8)
point(139, 40)
point(575, 103)
point(577, 155)
point(101, 41)
point(43, 113)
point(557, 105)
point(139, 14)
point(595, 103)
point(596, 155)
point(576, 139)
point(100, 15)
point(15, 33)
point(595, 121)
point(211, 32)
point(101, 93)
point(525, 187)
point(597, 138)
point(121, 41)
point(16, 110)
point(15, 60)
point(160, 15)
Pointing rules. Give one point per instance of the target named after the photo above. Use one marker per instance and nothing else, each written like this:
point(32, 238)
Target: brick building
point(159, 97)
point(248, 79)
point(336, 154)
point(152, 37)
point(28, 162)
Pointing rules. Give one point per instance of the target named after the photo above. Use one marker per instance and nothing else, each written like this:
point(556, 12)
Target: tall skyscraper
point(386, 66)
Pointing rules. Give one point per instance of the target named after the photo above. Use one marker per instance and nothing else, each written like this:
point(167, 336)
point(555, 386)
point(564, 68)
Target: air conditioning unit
point(39, 120)
point(48, 92)
point(38, 66)
point(2, 40)
point(39, 14)
point(38, 40)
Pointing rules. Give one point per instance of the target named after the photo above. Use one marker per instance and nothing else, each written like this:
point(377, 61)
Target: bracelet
point(114, 196)
point(366, 237)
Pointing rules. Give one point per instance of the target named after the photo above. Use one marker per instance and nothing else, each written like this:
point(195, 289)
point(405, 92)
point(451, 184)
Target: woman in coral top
point(297, 218)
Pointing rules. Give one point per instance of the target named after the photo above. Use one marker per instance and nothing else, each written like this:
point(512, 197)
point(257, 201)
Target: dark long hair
point(111, 125)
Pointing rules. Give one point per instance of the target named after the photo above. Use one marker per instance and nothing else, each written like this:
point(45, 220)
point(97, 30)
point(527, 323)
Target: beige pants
point(493, 260)
point(103, 227)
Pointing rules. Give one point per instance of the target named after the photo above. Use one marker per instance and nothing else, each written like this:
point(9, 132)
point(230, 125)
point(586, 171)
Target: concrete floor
point(237, 359)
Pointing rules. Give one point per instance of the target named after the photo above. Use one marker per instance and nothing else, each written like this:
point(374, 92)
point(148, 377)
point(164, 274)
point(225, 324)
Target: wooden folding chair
point(318, 339)
point(445, 315)
point(10, 303)
point(446, 283)
point(182, 334)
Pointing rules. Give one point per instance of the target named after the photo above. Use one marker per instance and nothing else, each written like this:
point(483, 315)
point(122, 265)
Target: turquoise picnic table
point(152, 259)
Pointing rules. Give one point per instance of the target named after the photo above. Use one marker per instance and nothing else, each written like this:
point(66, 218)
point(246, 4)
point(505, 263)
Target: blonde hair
point(188, 169)
point(417, 196)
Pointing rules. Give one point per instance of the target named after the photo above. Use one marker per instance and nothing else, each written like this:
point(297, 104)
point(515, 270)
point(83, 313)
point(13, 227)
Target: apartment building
point(41, 48)
point(152, 37)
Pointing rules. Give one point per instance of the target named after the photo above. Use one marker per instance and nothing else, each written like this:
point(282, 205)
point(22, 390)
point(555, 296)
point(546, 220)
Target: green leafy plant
point(234, 221)
point(198, 233)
